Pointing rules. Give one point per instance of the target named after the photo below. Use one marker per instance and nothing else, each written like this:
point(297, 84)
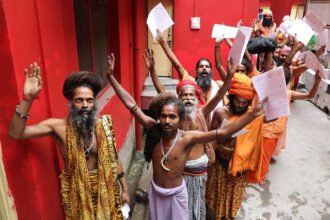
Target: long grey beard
point(83, 124)
point(204, 82)
point(190, 112)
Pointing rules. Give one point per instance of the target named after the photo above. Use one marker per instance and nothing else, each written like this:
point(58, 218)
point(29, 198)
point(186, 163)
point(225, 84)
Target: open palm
point(33, 82)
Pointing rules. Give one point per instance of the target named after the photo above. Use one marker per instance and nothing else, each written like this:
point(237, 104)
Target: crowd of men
point(200, 170)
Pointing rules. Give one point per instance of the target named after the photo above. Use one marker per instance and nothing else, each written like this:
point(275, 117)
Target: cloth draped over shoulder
point(248, 149)
point(76, 187)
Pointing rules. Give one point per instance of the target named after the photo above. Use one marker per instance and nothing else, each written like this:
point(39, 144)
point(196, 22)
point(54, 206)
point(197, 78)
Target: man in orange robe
point(235, 156)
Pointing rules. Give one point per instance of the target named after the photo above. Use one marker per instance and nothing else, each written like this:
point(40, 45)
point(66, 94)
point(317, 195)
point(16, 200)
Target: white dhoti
point(168, 204)
point(195, 176)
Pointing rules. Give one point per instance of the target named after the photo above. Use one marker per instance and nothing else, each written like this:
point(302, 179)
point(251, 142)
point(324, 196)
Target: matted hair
point(166, 98)
point(154, 134)
point(81, 78)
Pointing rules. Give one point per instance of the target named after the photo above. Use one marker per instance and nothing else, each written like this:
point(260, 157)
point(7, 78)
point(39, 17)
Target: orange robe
point(274, 139)
point(271, 132)
point(225, 187)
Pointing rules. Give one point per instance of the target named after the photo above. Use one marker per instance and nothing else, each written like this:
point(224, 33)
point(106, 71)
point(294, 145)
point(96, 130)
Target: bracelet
point(133, 108)
point(27, 98)
point(24, 117)
point(120, 175)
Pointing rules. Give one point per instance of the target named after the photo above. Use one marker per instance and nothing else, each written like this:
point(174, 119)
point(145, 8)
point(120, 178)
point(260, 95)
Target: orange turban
point(198, 90)
point(241, 85)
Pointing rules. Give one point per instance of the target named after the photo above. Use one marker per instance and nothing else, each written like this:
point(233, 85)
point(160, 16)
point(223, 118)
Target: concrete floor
point(299, 182)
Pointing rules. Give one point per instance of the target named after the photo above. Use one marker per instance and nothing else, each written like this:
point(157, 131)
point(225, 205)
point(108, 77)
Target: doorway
point(163, 64)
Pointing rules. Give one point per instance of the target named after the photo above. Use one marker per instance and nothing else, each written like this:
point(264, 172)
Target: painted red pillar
point(139, 44)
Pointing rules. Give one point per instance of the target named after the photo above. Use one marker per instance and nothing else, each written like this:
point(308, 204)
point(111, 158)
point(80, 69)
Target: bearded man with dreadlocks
point(89, 188)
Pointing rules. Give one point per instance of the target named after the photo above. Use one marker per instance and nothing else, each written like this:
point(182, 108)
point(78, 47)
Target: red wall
point(44, 31)
point(190, 45)
point(130, 41)
point(31, 33)
point(280, 9)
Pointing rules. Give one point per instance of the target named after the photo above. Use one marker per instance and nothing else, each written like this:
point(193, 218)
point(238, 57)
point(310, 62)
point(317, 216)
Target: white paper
point(312, 62)
point(301, 30)
point(284, 26)
point(241, 40)
point(272, 85)
point(322, 39)
point(158, 18)
point(314, 22)
point(125, 211)
point(223, 31)
point(242, 131)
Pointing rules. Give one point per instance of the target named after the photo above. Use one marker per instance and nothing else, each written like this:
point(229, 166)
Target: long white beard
point(190, 112)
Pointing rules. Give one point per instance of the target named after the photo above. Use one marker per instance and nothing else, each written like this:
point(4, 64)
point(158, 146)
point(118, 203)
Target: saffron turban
point(198, 90)
point(241, 85)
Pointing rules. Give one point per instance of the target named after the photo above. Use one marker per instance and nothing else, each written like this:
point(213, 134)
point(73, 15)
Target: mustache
point(83, 121)
point(189, 102)
point(205, 73)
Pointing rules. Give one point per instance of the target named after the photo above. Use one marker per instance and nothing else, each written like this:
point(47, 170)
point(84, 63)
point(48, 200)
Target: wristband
point(120, 175)
point(27, 98)
point(133, 108)
point(24, 117)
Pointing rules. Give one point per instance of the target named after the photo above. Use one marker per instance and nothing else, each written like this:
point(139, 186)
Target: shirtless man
point(235, 156)
point(168, 147)
point(80, 137)
point(196, 118)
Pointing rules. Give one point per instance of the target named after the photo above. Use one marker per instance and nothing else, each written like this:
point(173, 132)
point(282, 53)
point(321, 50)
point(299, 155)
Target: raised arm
point(228, 130)
point(320, 51)
point(217, 58)
point(150, 64)
point(298, 95)
point(268, 64)
point(32, 87)
point(212, 104)
point(296, 46)
point(170, 54)
point(126, 98)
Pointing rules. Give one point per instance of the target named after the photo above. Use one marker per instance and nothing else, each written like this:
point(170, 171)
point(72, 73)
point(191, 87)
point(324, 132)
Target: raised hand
point(255, 24)
point(218, 40)
point(160, 36)
point(33, 82)
point(111, 65)
point(149, 59)
point(257, 109)
point(239, 23)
